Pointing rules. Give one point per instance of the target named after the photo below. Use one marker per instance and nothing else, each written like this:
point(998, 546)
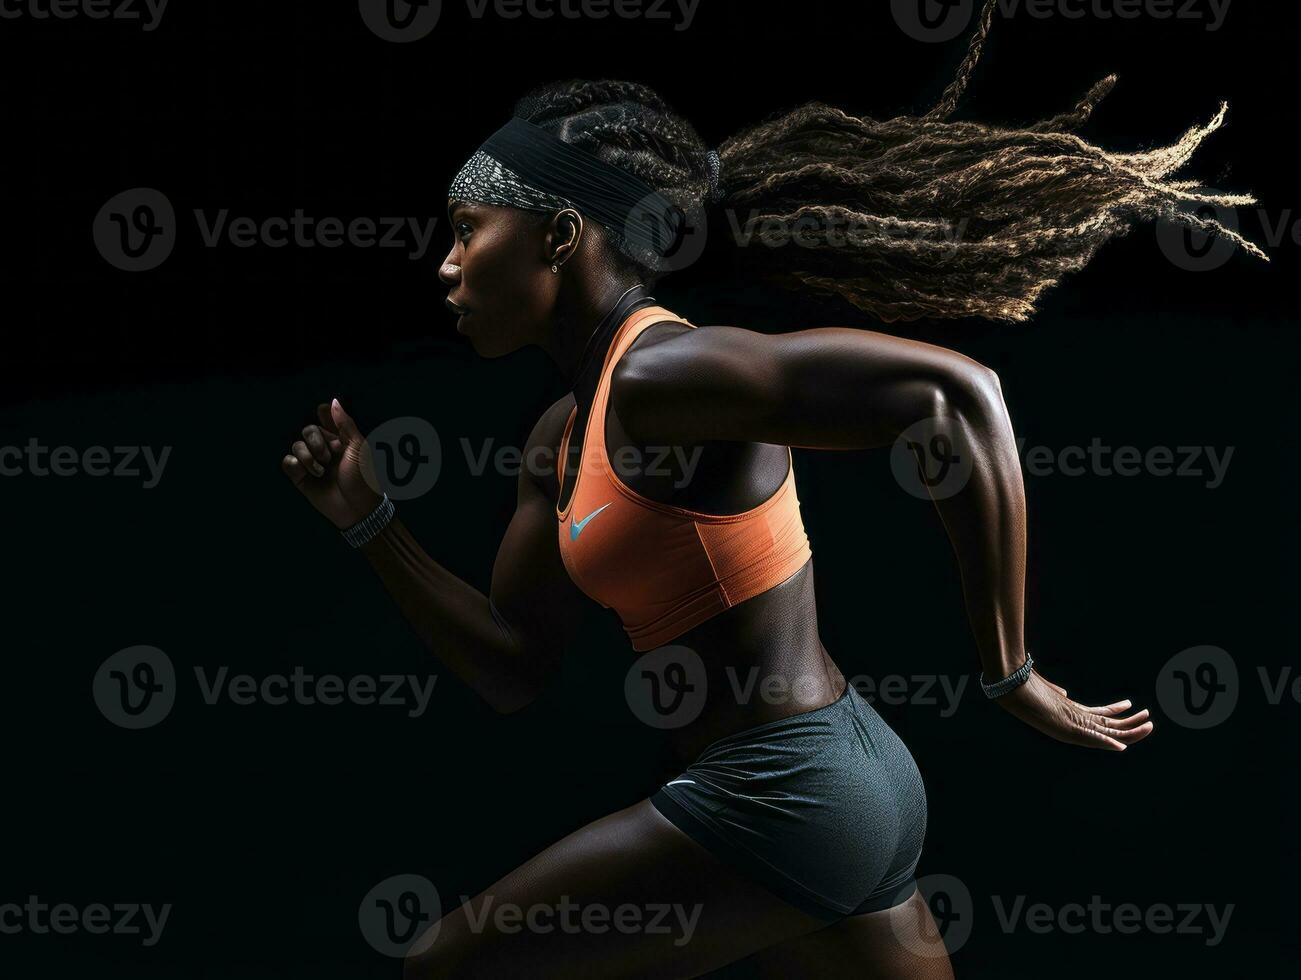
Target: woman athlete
point(794, 829)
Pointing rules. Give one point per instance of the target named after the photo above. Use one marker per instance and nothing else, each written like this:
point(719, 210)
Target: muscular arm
point(842, 388)
point(508, 645)
point(839, 388)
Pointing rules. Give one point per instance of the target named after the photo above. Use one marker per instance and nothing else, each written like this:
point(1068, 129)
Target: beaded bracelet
point(1011, 681)
point(370, 525)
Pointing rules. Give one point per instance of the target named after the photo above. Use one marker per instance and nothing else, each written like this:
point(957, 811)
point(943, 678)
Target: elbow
point(523, 672)
point(969, 389)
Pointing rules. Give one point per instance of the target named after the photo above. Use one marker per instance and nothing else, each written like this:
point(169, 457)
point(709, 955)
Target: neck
point(576, 348)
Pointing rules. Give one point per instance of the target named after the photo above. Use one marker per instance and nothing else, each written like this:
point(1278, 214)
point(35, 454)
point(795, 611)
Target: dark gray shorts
point(824, 808)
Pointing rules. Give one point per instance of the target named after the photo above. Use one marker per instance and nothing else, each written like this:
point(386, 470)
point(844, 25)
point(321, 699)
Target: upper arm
point(829, 387)
point(532, 595)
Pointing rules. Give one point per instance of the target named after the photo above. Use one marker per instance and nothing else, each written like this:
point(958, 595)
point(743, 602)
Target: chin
point(487, 339)
point(489, 345)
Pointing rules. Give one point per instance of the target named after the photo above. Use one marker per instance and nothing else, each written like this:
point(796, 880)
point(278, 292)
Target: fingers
point(1105, 732)
point(1110, 709)
point(1129, 730)
point(344, 424)
point(321, 445)
point(1098, 740)
point(304, 456)
point(1135, 734)
point(1124, 737)
point(1118, 733)
point(293, 469)
point(316, 443)
point(325, 421)
point(1129, 721)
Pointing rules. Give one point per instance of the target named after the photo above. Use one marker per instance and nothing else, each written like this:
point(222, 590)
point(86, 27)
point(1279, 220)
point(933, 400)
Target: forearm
point(856, 391)
point(454, 620)
point(986, 520)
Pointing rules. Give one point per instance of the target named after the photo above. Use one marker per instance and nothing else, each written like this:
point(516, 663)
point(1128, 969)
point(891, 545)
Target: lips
point(455, 307)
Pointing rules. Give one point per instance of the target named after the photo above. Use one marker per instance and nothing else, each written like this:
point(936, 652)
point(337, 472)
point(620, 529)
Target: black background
point(265, 826)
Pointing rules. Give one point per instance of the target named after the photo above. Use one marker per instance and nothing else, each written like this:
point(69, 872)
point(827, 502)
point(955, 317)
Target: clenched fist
point(331, 466)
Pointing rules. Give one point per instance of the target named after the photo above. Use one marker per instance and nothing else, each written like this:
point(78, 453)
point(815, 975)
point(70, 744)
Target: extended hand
point(1043, 705)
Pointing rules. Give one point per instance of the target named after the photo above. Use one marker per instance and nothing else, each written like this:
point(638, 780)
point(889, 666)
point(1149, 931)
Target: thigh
point(628, 895)
point(900, 943)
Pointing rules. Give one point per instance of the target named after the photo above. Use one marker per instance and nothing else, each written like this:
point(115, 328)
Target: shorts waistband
point(841, 703)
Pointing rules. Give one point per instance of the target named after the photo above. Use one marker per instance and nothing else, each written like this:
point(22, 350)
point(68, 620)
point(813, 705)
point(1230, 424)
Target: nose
point(449, 273)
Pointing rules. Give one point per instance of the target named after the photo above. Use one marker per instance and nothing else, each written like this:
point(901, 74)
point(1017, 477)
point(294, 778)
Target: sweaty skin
point(730, 400)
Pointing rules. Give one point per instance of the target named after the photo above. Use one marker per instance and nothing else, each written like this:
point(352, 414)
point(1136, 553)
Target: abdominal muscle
point(763, 661)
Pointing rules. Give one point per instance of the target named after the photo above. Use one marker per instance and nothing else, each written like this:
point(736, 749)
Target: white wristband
point(370, 525)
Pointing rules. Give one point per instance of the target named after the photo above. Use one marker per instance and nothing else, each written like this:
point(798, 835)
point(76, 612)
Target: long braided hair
point(910, 217)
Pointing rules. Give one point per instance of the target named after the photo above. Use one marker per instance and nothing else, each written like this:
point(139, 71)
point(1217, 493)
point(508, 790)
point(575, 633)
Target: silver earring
point(555, 268)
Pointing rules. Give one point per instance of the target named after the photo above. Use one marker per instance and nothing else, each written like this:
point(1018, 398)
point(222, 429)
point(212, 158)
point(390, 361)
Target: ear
point(563, 236)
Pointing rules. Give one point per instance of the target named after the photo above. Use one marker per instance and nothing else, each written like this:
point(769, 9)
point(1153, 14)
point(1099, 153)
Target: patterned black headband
point(522, 165)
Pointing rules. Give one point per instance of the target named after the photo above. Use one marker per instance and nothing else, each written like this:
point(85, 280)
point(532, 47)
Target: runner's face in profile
point(499, 278)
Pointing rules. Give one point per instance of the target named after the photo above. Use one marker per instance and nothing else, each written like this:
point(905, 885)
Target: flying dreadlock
point(910, 217)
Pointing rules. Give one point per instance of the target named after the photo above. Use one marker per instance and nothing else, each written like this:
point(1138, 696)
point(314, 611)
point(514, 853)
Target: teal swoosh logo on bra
point(576, 527)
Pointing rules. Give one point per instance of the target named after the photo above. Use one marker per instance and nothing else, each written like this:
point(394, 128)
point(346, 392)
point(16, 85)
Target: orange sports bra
point(666, 569)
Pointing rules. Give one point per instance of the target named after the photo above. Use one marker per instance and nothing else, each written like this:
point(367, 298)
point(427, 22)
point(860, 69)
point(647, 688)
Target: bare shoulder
point(658, 333)
point(671, 347)
point(671, 359)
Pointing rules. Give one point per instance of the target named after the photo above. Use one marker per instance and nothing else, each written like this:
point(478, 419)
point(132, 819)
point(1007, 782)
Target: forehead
point(455, 203)
point(494, 212)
